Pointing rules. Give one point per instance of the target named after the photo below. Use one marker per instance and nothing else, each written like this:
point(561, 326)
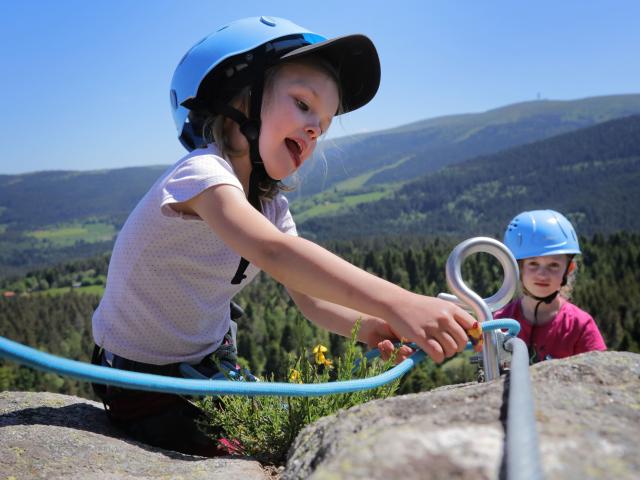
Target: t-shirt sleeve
point(283, 218)
point(193, 176)
point(590, 338)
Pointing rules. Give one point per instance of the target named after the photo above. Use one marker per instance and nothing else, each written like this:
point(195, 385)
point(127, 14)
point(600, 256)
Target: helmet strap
point(548, 299)
point(250, 128)
point(551, 297)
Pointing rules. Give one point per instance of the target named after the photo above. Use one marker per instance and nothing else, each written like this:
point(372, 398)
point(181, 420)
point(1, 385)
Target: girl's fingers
point(386, 349)
point(404, 352)
point(464, 319)
point(448, 344)
point(459, 336)
point(433, 349)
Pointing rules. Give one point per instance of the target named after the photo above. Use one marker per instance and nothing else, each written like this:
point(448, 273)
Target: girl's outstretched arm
point(435, 325)
point(374, 332)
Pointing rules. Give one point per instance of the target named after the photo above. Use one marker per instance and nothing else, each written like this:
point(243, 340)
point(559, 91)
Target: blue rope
point(183, 386)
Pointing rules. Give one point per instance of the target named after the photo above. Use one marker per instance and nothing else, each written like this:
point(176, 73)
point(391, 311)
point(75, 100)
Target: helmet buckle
point(250, 129)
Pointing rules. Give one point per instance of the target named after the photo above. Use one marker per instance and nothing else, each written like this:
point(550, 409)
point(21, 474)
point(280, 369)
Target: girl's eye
point(302, 106)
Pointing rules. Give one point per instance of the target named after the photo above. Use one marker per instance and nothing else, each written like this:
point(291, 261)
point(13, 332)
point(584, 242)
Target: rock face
point(587, 410)
point(45, 435)
point(588, 418)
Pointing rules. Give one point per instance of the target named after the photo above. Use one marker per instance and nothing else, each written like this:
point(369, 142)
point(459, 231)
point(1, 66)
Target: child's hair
point(214, 126)
point(567, 289)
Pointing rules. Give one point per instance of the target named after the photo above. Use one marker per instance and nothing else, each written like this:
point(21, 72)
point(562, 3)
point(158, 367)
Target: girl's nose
point(543, 272)
point(313, 131)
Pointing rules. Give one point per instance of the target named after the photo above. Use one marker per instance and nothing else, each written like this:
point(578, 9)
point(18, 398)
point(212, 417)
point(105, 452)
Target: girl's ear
point(571, 267)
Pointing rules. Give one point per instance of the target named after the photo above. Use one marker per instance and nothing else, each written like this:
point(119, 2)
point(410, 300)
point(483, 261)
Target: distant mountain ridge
point(437, 142)
point(40, 199)
point(56, 216)
point(591, 175)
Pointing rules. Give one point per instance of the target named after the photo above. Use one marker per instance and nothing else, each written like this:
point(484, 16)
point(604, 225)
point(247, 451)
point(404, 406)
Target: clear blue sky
point(85, 82)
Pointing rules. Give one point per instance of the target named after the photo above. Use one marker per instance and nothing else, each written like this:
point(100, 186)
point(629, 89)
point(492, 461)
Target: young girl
point(544, 243)
point(250, 102)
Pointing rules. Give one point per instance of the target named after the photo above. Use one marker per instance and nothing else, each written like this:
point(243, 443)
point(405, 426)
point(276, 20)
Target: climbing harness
point(200, 387)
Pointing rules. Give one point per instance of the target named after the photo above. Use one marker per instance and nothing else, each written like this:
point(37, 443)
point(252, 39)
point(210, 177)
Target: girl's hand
point(377, 333)
point(387, 348)
point(437, 326)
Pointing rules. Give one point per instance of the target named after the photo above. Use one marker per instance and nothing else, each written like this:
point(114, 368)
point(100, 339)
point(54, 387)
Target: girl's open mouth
point(295, 149)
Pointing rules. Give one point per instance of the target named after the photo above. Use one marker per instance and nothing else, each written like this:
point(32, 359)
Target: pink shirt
point(571, 332)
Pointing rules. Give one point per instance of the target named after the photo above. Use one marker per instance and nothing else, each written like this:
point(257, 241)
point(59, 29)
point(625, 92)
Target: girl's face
point(298, 107)
point(542, 276)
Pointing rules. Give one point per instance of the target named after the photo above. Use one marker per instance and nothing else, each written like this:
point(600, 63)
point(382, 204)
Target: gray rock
point(587, 410)
point(45, 435)
point(588, 418)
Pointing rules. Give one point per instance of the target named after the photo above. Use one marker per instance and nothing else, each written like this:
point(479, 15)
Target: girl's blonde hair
point(567, 290)
point(215, 131)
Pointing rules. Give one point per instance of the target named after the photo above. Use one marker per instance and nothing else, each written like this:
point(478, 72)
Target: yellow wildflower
point(319, 351)
point(295, 376)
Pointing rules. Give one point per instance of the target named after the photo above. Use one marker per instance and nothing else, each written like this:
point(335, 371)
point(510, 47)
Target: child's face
point(543, 275)
point(297, 109)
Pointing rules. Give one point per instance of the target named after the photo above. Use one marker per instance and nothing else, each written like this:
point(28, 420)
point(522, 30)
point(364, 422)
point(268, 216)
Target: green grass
point(337, 202)
point(346, 194)
point(359, 181)
point(91, 289)
point(67, 235)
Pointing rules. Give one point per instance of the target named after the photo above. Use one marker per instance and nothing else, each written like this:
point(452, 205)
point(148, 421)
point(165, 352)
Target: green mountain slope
point(592, 175)
point(41, 199)
point(434, 143)
point(51, 217)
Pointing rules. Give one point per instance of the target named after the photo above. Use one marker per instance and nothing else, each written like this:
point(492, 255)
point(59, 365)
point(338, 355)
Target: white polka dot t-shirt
point(169, 283)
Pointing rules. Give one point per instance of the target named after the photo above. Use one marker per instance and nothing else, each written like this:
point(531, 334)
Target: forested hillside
point(58, 320)
point(591, 175)
point(46, 198)
point(413, 150)
point(53, 217)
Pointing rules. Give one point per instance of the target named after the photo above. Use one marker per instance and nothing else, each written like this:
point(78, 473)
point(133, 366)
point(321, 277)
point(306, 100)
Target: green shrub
point(265, 426)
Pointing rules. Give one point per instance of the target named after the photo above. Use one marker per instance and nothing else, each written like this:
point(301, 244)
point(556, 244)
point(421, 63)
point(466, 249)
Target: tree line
point(272, 330)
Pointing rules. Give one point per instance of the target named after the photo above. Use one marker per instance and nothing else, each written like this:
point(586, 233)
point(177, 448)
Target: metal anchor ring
point(470, 300)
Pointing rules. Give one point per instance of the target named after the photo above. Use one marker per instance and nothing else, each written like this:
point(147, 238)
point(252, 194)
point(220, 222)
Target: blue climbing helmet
point(540, 232)
point(237, 56)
